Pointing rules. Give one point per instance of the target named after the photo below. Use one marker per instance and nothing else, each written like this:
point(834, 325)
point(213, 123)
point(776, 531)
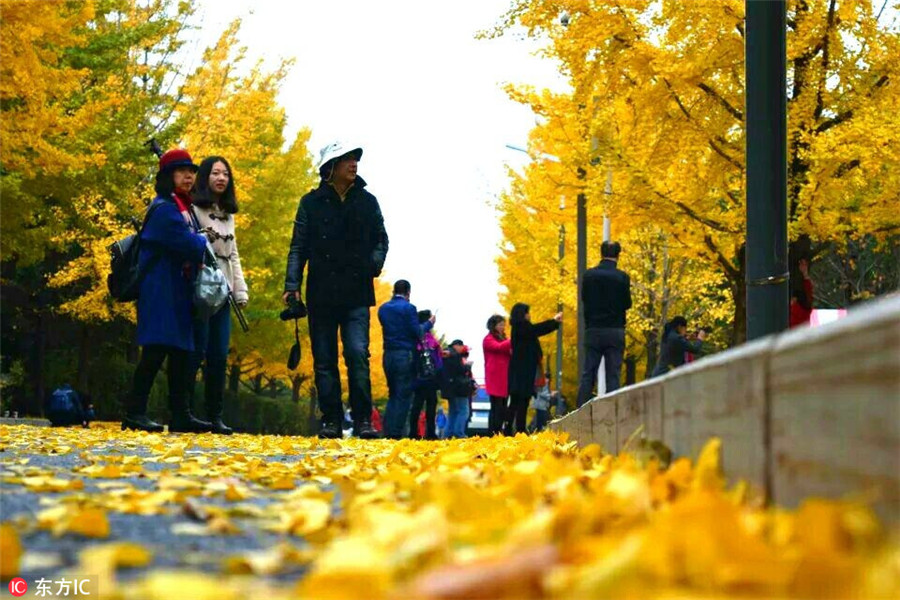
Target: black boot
point(188, 423)
point(215, 395)
point(182, 419)
point(365, 431)
point(330, 431)
point(141, 423)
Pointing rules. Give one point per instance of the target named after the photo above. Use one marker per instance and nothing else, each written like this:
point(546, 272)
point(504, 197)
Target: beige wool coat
point(225, 247)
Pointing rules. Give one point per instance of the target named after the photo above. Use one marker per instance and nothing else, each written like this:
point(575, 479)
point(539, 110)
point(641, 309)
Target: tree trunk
point(234, 377)
point(35, 405)
point(313, 418)
point(296, 382)
point(652, 346)
point(84, 359)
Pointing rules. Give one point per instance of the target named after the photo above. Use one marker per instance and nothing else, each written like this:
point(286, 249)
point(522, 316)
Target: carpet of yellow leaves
point(524, 517)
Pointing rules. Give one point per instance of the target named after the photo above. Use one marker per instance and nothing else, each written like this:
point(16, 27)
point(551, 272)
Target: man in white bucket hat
point(339, 231)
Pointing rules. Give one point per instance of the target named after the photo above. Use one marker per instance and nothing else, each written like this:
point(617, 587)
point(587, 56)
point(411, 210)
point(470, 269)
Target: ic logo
point(18, 586)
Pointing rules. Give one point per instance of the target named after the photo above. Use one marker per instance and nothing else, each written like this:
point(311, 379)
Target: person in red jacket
point(497, 350)
point(802, 299)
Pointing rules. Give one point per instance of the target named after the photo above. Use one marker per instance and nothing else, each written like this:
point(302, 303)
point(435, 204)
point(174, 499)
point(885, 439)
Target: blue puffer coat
point(170, 253)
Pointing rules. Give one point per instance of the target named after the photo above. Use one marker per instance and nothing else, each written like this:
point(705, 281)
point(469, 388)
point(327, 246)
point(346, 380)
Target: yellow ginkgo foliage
point(656, 107)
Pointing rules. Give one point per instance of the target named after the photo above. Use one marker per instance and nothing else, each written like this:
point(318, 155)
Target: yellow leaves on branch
point(656, 101)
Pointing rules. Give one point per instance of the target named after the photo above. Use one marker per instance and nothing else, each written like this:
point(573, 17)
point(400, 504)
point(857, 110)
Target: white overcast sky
point(408, 82)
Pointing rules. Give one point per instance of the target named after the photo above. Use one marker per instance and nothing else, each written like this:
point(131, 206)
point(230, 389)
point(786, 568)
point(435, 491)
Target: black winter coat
point(527, 355)
point(606, 295)
point(345, 244)
point(456, 377)
point(672, 350)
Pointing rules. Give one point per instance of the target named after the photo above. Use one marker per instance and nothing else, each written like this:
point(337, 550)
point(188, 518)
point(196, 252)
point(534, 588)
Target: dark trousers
point(498, 415)
point(518, 412)
point(353, 324)
point(425, 396)
point(601, 343)
point(541, 418)
point(178, 371)
point(400, 371)
point(211, 340)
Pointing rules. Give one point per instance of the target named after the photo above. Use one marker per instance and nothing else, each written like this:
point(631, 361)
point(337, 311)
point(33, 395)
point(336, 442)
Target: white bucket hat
point(337, 149)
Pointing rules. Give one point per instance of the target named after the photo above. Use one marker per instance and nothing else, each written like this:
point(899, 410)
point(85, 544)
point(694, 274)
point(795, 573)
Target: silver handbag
point(210, 290)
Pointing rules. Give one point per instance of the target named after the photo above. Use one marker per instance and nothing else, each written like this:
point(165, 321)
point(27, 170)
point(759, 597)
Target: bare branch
point(718, 98)
point(712, 143)
point(726, 265)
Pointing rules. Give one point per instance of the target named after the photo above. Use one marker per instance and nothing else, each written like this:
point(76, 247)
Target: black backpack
point(124, 279)
point(64, 407)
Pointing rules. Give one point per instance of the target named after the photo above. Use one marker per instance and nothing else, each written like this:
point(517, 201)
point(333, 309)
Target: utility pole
point(766, 72)
point(559, 304)
point(607, 224)
point(581, 259)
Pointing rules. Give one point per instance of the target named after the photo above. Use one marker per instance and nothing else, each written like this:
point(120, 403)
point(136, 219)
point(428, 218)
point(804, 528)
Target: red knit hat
point(176, 158)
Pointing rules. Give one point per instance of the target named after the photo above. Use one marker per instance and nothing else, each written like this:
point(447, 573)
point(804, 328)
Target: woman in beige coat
point(215, 206)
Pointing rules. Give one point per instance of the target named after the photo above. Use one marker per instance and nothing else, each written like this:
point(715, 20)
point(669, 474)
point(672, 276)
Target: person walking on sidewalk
point(402, 333)
point(497, 351)
point(457, 387)
point(426, 389)
point(606, 295)
point(171, 250)
point(215, 205)
point(339, 231)
point(526, 363)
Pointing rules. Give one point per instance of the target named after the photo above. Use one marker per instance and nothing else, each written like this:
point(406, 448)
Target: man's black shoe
point(141, 423)
point(189, 424)
point(330, 431)
point(365, 431)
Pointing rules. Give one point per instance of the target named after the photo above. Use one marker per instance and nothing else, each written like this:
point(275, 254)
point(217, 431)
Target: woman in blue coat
point(171, 250)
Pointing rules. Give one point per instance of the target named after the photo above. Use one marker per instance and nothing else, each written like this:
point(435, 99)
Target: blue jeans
point(211, 340)
point(458, 418)
point(353, 324)
point(400, 370)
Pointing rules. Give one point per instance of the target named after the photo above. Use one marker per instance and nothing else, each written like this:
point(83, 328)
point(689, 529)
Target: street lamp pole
point(559, 304)
point(767, 268)
point(581, 261)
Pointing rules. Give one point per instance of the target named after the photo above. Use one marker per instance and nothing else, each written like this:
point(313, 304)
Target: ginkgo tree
point(657, 98)
point(84, 86)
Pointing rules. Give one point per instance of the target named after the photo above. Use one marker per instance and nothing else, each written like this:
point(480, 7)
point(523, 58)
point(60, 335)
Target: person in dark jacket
point(606, 296)
point(402, 332)
point(426, 390)
point(457, 387)
point(339, 231)
point(525, 365)
point(675, 345)
point(171, 250)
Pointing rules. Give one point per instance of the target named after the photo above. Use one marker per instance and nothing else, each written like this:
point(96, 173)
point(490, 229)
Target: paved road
point(48, 555)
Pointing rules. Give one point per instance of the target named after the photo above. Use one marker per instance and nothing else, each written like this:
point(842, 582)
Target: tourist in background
point(426, 389)
point(526, 363)
point(497, 351)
